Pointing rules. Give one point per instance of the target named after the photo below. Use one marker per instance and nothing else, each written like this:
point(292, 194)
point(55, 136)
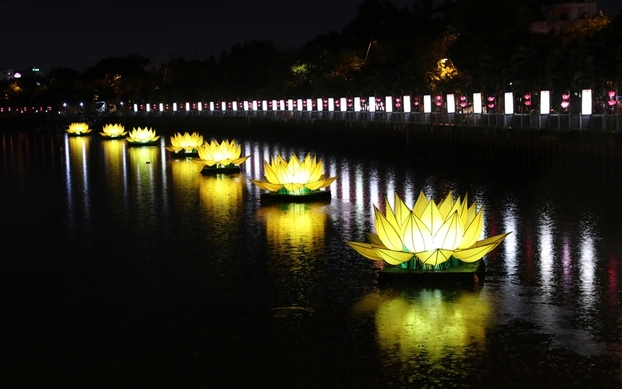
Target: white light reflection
point(374, 197)
point(345, 182)
point(409, 193)
point(546, 250)
point(509, 245)
point(77, 172)
point(587, 259)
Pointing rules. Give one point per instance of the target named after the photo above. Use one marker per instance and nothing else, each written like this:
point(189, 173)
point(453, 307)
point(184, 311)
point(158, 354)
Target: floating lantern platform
point(212, 171)
point(467, 273)
point(318, 196)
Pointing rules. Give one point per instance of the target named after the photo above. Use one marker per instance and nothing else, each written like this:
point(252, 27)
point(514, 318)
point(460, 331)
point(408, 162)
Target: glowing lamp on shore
point(294, 177)
point(78, 129)
point(113, 131)
point(545, 102)
point(282, 105)
point(223, 155)
point(428, 236)
point(275, 105)
point(508, 102)
point(463, 101)
point(186, 143)
point(290, 105)
point(254, 105)
point(331, 104)
point(427, 104)
point(407, 103)
point(477, 102)
point(187, 106)
point(142, 136)
point(371, 107)
point(451, 103)
point(438, 101)
point(388, 104)
point(264, 105)
point(343, 105)
point(586, 102)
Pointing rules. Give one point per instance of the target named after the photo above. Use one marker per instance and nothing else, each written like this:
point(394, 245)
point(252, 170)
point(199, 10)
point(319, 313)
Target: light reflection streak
point(346, 177)
point(114, 155)
point(374, 196)
point(566, 262)
point(358, 186)
point(221, 198)
point(431, 324)
point(409, 193)
point(510, 244)
point(546, 249)
point(587, 259)
point(77, 172)
point(296, 234)
point(142, 159)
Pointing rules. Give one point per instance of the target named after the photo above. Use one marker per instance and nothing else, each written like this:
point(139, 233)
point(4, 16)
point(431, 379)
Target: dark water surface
point(125, 268)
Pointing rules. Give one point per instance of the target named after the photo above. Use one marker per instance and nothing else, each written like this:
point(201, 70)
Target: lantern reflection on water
point(115, 171)
point(428, 323)
point(295, 232)
point(221, 200)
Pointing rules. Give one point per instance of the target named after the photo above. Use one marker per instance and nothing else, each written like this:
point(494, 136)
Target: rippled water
point(124, 267)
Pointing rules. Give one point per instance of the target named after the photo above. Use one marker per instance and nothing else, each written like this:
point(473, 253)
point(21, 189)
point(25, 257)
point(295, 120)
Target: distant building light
point(17, 75)
point(35, 69)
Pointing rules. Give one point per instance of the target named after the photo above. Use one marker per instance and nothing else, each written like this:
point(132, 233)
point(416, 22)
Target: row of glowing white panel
point(357, 104)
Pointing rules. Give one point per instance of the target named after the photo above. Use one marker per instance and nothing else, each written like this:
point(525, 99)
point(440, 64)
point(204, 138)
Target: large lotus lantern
point(112, 131)
point(428, 236)
point(223, 157)
point(142, 137)
point(185, 144)
point(78, 129)
point(295, 179)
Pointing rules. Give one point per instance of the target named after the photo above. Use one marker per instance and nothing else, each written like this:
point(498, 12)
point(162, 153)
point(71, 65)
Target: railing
point(561, 122)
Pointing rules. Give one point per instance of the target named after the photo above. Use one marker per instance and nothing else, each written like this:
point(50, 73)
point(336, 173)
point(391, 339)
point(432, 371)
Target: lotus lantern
point(225, 154)
point(113, 131)
point(294, 177)
point(78, 129)
point(428, 236)
point(186, 143)
point(142, 136)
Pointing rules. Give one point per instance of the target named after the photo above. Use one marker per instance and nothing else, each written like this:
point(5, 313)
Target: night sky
point(77, 34)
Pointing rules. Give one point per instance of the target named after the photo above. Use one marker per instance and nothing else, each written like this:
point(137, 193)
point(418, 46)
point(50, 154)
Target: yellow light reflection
point(295, 233)
point(142, 161)
point(184, 174)
point(114, 159)
point(221, 200)
point(115, 171)
point(428, 323)
point(77, 176)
